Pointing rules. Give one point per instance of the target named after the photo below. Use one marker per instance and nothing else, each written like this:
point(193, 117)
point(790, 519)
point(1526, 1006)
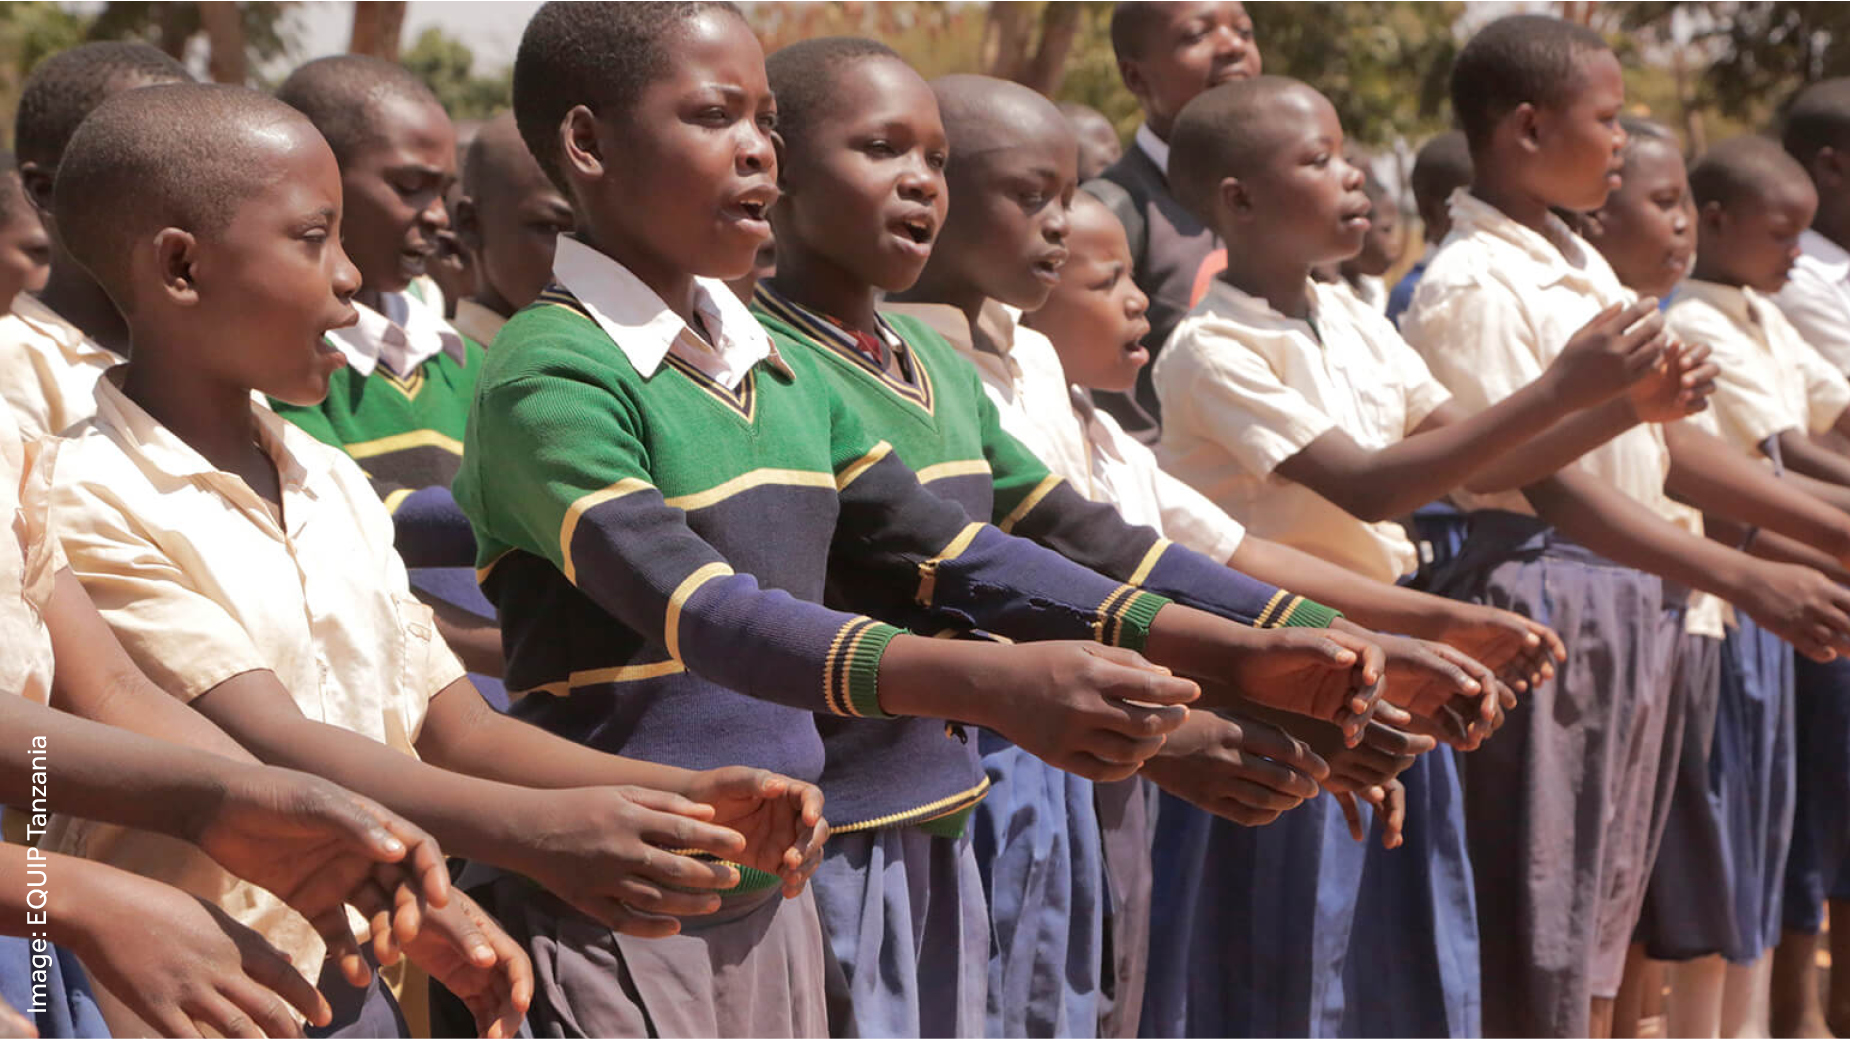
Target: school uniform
point(30, 560)
point(48, 368)
point(1063, 862)
point(651, 464)
point(398, 408)
point(201, 583)
point(1245, 388)
point(1564, 805)
point(1816, 297)
point(1771, 382)
point(1173, 255)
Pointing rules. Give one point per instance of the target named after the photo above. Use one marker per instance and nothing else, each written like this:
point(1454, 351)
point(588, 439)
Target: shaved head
point(984, 114)
point(1746, 168)
point(343, 94)
point(183, 155)
point(1232, 130)
point(498, 164)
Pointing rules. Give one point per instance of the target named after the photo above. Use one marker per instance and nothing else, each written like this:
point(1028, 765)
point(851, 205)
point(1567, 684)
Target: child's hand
point(1366, 769)
point(1333, 674)
point(780, 818)
point(1678, 387)
point(1238, 769)
point(13, 1024)
point(1436, 682)
point(317, 847)
point(1097, 711)
point(1798, 605)
point(604, 850)
point(466, 950)
point(1391, 803)
point(184, 966)
point(1523, 653)
point(1620, 346)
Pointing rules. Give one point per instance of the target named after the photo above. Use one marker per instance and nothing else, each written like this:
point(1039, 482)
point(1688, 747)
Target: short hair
point(1741, 168)
point(341, 93)
point(12, 192)
point(67, 86)
point(1442, 166)
point(496, 155)
point(1221, 133)
point(1131, 23)
point(600, 55)
point(175, 155)
point(803, 76)
point(1517, 59)
point(1818, 118)
point(1639, 130)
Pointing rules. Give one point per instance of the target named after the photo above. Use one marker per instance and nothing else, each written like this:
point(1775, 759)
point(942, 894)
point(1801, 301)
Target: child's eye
point(936, 160)
point(881, 149)
point(767, 121)
point(715, 115)
point(1034, 199)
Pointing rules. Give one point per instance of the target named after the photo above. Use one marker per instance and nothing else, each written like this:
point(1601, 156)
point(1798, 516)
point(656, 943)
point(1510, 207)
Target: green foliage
point(1383, 65)
point(447, 66)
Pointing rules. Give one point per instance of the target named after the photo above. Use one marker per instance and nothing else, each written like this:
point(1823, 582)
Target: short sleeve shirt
point(1244, 388)
point(29, 562)
point(1771, 379)
point(1078, 441)
point(201, 583)
point(1817, 297)
point(1495, 307)
point(48, 369)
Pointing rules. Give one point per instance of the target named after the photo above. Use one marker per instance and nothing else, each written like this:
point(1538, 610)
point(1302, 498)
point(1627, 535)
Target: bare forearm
point(1708, 473)
point(1768, 545)
point(468, 816)
point(1373, 604)
point(1566, 440)
point(99, 772)
point(1837, 496)
point(1803, 455)
point(96, 679)
point(463, 734)
point(1598, 516)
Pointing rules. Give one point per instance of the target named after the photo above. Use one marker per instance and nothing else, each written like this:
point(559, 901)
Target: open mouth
point(919, 229)
point(1047, 265)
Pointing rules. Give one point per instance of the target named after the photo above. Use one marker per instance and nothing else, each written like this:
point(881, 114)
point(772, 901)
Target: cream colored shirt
point(403, 334)
point(200, 583)
point(48, 369)
point(1771, 379)
point(1496, 306)
point(29, 562)
point(1244, 388)
point(1817, 298)
point(1058, 423)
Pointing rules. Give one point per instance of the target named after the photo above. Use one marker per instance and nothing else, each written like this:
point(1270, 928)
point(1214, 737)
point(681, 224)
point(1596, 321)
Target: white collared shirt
point(29, 562)
point(48, 369)
point(403, 334)
point(1245, 388)
point(1496, 306)
point(1058, 423)
point(1153, 146)
point(1817, 298)
point(200, 583)
point(640, 322)
point(1771, 380)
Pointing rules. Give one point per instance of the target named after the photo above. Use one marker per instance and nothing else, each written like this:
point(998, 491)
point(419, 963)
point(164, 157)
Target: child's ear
point(37, 182)
point(467, 220)
point(1133, 79)
point(1233, 198)
point(1827, 169)
point(173, 259)
point(778, 152)
point(1711, 216)
point(1593, 225)
point(580, 144)
point(1525, 123)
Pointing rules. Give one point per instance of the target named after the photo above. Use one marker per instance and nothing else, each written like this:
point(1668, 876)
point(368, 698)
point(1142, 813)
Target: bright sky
point(490, 28)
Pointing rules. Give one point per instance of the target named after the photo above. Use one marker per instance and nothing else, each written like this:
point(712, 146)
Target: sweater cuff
point(1289, 611)
point(1129, 623)
point(864, 657)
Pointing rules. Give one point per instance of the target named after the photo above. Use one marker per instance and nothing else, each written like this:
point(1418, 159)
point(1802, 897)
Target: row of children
point(687, 508)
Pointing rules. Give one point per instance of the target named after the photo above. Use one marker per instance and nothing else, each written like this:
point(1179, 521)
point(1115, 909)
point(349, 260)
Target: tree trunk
point(1059, 28)
point(224, 26)
point(376, 25)
point(1005, 39)
point(171, 22)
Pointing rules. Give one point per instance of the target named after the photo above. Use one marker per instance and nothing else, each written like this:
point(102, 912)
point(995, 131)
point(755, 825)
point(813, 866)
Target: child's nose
point(921, 183)
point(757, 153)
point(1137, 303)
point(436, 215)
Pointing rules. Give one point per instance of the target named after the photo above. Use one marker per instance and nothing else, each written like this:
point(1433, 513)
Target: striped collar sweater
point(942, 424)
point(657, 548)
